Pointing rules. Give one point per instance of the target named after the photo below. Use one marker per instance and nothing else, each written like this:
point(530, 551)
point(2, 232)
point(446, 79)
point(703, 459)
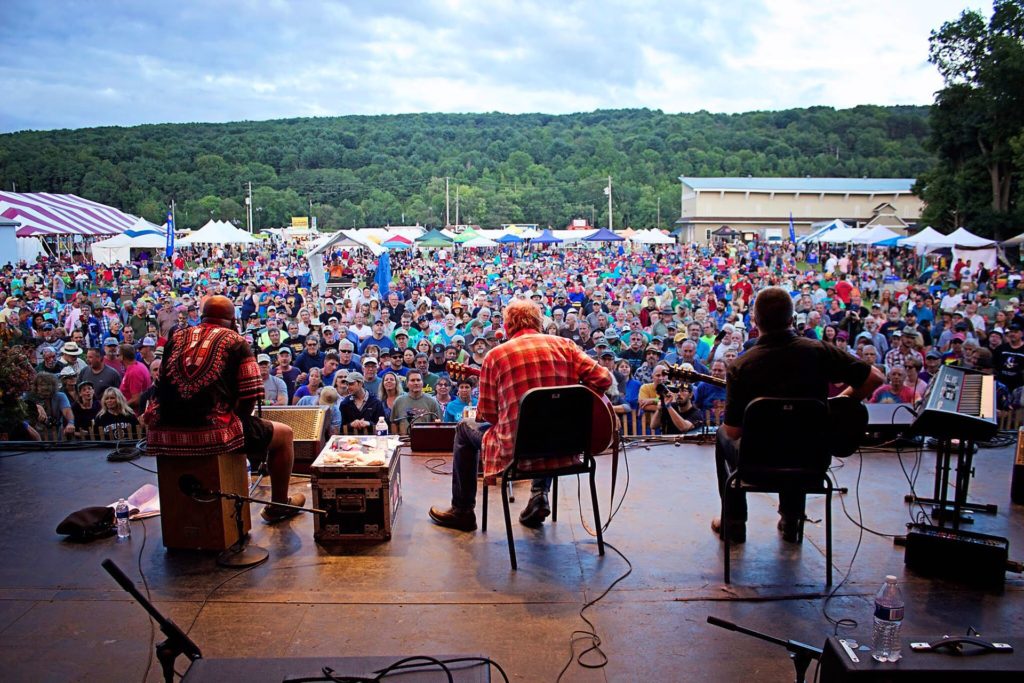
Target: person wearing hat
point(112, 355)
point(49, 362)
point(677, 414)
point(902, 347)
point(275, 391)
point(71, 356)
point(1008, 359)
point(437, 362)
point(371, 382)
point(360, 410)
point(208, 387)
point(645, 373)
point(68, 379)
point(378, 338)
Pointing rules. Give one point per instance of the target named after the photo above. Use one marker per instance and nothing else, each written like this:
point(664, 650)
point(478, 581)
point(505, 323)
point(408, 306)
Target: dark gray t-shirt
point(424, 409)
point(107, 377)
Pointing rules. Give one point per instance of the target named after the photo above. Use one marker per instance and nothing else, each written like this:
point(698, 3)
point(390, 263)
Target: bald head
point(218, 309)
point(773, 310)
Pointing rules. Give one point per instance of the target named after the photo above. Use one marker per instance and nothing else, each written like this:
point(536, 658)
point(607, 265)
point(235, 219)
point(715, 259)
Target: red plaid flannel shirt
point(528, 360)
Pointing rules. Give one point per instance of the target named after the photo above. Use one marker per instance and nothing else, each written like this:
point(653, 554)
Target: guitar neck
point(679, 372)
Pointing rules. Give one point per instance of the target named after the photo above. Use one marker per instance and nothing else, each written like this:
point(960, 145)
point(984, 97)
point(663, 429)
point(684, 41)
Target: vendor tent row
point(153, 238)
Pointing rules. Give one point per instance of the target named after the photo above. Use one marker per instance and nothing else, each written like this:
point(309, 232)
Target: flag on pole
point(792, 231)
point(169, 251)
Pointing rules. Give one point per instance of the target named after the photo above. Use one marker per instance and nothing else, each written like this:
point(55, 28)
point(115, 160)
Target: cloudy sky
point(70, 64)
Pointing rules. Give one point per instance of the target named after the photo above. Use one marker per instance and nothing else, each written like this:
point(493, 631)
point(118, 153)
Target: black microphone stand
point(242, 553)
point(177, 642)
point(800, 653)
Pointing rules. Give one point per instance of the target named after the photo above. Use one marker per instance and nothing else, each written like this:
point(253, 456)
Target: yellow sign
point(300, 222)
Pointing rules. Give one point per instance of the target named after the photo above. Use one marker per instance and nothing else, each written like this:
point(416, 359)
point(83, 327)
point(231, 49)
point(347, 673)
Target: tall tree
point(976, 119)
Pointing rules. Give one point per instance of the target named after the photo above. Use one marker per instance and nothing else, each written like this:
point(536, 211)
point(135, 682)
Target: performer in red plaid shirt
point(209, 385)
point(529, 359)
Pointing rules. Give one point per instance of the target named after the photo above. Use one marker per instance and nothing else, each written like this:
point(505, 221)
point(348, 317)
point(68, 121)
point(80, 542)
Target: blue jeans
point(466, 462)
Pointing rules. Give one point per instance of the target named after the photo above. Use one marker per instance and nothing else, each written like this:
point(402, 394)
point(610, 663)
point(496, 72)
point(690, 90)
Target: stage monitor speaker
point(310, 427)
point(189, 524)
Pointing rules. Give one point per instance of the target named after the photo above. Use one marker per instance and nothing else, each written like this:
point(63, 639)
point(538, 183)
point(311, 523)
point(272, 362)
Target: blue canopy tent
point(546, 238)
point(604, 235)
point(509, 239)
point(382, 276)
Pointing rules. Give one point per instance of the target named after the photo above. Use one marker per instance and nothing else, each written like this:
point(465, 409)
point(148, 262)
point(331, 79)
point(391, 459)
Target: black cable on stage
point(846, 622)
point(214, 590)
point(145, 584)
point(436, 468)
point(590, 634)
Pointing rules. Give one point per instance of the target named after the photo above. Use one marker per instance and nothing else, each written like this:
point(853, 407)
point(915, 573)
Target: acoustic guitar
point(603, 424)
point(847, 417)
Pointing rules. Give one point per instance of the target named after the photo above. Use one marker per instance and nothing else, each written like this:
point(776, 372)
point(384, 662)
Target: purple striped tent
point(42, 214)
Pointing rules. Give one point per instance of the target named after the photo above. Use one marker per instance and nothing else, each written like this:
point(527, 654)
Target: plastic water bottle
point(381, 431)
point(124, 529)
point(885, 642)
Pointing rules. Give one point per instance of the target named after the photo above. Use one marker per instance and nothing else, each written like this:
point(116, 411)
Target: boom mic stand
point(177, 643)
point(800, 653)
point(241, 553)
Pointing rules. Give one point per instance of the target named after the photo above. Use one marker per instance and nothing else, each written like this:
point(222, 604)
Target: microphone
point(190, 485)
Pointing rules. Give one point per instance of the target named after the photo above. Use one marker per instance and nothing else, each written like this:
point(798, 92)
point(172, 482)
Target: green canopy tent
point(433, 238)
point(466, 235)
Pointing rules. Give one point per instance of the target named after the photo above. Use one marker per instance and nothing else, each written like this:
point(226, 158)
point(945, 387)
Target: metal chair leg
point(483, 522)
point(722, 530)
point(828, 535)
point(508, 523)
point(554, 499)
point(597, 512)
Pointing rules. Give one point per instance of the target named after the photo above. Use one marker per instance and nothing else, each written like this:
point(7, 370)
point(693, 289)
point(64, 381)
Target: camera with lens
point(664, 390)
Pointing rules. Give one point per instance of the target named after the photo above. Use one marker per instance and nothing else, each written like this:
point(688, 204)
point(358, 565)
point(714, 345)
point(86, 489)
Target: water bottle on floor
point(885, 643)
point(124, 529)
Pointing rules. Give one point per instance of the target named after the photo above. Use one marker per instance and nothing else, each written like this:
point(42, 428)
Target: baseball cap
point(458, 338)
point(149, 341)
point(284, 349)
point(69, 372)
point(355, 377)
point(438, 348)
point(47, 326)
point(607, 354)
point(959, 336)
point(263, 358)
point(110, 341)
point(401, 333)
point(897, 333)
point(1013, 327)
point(933, 354)
point(370, 359)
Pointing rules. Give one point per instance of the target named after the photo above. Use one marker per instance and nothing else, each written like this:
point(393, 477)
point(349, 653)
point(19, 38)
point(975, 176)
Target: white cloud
point(244, 59)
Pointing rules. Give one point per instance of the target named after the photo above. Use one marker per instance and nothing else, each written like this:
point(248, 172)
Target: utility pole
point(593, 216)
point(609, 192)
point(659, 213)
point(457, 204)
point(447, 203)
point(248, 208)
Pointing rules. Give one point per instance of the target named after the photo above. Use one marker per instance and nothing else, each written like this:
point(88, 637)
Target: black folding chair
point(554, 425)
point(787, 447)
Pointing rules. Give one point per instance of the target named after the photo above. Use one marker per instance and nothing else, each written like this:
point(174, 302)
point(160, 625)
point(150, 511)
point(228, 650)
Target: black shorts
point(257, 433)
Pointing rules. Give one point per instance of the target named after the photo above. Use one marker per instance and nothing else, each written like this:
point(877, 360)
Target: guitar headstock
point(459, 371)
point(678, 372)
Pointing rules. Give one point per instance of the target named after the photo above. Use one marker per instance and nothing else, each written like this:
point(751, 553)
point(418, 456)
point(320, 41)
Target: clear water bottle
point(381, 430)
point(248, 470)
point(124, 529)
point(885, 643)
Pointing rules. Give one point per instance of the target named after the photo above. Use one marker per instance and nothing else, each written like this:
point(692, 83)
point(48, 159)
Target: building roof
point(859, 185)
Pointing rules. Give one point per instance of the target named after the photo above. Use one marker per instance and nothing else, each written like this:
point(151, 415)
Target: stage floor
point(431, 590)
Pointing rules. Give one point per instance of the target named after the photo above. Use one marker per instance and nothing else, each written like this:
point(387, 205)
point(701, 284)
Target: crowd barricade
point(130, 433)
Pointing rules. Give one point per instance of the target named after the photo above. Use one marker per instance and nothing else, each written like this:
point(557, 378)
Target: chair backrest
point(785, 439)
point(555, 422)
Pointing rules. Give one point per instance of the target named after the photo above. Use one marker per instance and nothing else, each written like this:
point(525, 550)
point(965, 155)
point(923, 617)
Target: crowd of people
point(95, 334)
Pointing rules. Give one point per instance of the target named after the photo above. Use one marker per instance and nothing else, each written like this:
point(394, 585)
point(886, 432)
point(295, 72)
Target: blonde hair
point(122, 405)
point(328, 396)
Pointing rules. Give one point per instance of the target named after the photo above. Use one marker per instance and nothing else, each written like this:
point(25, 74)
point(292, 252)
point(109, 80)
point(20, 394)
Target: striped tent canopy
point(42, 214)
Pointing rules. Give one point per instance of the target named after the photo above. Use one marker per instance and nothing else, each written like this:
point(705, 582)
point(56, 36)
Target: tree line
point(363, 171)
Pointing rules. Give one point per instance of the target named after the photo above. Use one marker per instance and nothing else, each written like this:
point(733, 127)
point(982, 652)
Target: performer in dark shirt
point(677, 413)
point(780, 364)
point(209, 385)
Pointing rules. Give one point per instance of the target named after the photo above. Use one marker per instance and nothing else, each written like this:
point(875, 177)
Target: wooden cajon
point(188, 524)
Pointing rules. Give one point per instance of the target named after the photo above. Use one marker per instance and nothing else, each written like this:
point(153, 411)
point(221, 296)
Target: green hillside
point(532, 168)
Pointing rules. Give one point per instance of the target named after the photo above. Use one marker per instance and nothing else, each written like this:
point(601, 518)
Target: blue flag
point(169, 252)
point(792, 232)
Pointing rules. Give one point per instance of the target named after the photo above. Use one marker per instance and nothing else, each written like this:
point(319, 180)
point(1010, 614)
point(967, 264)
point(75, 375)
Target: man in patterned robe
point(209, 385)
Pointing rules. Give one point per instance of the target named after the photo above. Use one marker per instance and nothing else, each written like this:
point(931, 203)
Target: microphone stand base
point(247, 556)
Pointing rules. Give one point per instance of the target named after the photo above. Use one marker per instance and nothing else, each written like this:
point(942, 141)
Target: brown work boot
point(462, 520)
point(536, 511)
point(792, 528)
point(737, 530)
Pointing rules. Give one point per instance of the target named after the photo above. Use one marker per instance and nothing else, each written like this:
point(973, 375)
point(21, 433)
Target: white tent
point(962, 237)
point(929, 238)
point(841, 235)
point(1014, 241)
point(479, 243)
point(216, 232)
point(651, 237)
point(874, 235)
point(815, 236)
point(119, 248)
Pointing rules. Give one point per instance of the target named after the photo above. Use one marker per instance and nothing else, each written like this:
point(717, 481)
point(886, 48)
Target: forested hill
point(531, 168)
